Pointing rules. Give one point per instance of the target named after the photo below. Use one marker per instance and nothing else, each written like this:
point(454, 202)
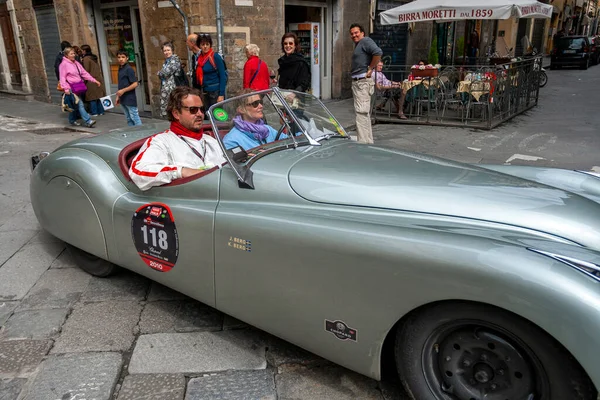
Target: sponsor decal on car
point(240, 244)
point(155, 237)
point(341, 330)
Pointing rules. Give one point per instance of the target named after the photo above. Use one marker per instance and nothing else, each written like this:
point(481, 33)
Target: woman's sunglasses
point(255, 104)
point(194, 110)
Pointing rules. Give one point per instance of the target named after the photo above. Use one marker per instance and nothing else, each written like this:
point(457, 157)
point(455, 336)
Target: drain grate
point(54, 131)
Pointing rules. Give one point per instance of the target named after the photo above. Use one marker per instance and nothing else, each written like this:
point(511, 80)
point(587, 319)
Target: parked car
point(594, 49)
point(480, 281)
point(572, 51)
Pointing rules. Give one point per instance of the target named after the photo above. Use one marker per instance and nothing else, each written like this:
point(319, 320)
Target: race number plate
point(155, 236)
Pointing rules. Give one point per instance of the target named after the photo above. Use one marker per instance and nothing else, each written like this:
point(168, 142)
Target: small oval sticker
point(220, 114)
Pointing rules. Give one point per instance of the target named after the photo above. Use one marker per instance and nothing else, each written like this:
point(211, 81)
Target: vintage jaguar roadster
point(480, 281)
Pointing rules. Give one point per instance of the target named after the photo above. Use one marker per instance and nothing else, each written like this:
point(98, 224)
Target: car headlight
point(36, 158)
point(588, 268)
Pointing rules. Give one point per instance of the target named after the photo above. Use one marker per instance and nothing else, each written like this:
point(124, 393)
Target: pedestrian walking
point(72, 77)
point(211, 74)
point(294, 71)
point(59, 58)
point(365, 57)
point(193, 47)
point(94, 92)
point(126, 93)
point(170, 70)
point(256, 71)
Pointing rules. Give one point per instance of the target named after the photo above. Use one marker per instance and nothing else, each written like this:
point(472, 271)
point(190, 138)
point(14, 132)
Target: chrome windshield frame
point(244, 172)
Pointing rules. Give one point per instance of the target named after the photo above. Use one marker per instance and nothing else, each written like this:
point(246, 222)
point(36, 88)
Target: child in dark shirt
point(126, 93)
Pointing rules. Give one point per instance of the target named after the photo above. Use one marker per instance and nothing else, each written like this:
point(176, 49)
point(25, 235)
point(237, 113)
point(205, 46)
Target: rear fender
point(72, 193)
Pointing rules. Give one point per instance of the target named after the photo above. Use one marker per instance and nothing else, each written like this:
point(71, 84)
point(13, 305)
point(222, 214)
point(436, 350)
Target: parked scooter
point(537, 66)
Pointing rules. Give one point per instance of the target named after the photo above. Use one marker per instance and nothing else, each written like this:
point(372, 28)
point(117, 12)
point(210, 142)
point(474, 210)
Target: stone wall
point(348, 12)
point(32, 49)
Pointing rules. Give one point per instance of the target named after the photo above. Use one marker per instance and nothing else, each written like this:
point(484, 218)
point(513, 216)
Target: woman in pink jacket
point(71, 73)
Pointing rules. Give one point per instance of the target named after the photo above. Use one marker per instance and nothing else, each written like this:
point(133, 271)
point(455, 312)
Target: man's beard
point(193, 127)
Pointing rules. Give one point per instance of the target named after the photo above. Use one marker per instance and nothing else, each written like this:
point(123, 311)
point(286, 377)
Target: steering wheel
point(280, 131)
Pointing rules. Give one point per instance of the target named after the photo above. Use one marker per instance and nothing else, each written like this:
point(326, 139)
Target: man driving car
point(182, 150)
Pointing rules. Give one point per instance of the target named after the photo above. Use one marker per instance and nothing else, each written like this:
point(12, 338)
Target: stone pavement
point(67, 335)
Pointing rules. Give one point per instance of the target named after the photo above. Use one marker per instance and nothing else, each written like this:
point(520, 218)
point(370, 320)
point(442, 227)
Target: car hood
point(371, 176)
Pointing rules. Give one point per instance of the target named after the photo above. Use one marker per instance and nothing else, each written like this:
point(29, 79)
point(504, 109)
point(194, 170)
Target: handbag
point(78, 88)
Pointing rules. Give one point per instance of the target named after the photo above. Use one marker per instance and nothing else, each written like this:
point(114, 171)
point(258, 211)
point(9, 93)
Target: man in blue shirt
point(126, 93)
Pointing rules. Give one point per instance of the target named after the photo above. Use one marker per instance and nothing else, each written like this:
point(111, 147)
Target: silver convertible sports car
point(480, 281)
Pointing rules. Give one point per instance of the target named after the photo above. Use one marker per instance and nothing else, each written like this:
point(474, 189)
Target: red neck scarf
point(181, 130)
point(202, 59)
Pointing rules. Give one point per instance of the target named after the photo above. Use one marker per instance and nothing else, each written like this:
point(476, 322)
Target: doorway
point(120, 28)
point(10, 47)
point(297, 12)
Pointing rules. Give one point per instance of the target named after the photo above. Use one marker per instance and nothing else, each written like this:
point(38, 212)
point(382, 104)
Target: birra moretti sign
point(452, 10)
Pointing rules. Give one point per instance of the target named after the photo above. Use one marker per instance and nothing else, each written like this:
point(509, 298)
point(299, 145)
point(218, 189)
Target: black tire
point(543, 79)
point(90, 263)
point(585, 65)
point(458, 351)
point(552, 66)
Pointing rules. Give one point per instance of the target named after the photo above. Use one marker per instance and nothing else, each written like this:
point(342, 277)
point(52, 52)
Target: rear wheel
point(543, 79)
point(90, 263)
point(469, 351)
point(585, 65)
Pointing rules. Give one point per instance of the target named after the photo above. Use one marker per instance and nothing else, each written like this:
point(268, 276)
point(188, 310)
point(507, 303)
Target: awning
point(453, 10)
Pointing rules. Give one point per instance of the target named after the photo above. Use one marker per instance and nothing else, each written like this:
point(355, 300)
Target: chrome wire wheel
point(473, 360)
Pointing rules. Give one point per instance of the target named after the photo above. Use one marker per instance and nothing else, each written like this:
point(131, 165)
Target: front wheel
point(470, 351)
point(90, 263)
point(543, 79)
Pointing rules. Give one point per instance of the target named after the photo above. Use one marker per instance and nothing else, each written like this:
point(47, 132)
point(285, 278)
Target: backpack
point(224, 66)
point(181, 78)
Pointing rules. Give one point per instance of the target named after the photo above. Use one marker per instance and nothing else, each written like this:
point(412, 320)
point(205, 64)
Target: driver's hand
point(290, 97)
point(220, 99)
point(187, 172)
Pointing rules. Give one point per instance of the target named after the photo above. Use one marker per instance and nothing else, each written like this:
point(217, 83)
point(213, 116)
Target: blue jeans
point(96, 107)
point(70, 100)
point(131, 113)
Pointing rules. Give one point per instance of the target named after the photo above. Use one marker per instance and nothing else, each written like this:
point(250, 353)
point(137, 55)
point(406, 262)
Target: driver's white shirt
point(161, 158)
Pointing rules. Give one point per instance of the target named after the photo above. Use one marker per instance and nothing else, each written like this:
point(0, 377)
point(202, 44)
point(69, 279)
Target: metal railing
point(481, 96)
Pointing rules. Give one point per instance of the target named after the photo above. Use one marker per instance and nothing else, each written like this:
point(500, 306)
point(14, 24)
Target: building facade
point(33, 29)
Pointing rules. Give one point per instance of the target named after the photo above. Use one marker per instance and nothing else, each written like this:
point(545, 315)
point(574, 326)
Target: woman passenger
point(250, 129)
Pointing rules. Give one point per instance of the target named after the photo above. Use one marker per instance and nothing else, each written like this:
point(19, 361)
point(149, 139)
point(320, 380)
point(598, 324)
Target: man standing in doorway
point(191, 45)
point(364, 59)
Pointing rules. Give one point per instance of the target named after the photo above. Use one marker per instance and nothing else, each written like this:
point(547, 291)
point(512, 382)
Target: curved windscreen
point(256, 124)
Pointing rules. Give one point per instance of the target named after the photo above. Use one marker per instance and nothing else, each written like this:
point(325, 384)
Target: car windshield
point(256, 124)
point(570, 43)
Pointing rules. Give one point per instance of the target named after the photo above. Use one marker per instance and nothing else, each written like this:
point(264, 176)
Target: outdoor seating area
point(481, 96)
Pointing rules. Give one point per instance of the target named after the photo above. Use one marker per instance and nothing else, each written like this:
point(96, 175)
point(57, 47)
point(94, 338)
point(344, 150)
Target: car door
point(166, 234)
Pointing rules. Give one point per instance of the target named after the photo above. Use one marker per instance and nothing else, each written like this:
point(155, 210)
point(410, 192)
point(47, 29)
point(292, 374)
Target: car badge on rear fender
point(341, 330)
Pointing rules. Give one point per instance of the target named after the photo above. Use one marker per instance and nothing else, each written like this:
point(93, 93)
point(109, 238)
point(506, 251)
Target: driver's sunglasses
point(194, 110)
point(255, 104)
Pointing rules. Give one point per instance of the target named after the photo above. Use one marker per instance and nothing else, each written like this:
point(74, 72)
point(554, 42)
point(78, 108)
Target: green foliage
point(433, 52)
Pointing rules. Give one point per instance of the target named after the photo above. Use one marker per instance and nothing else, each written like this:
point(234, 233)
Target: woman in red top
point(256, 71)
